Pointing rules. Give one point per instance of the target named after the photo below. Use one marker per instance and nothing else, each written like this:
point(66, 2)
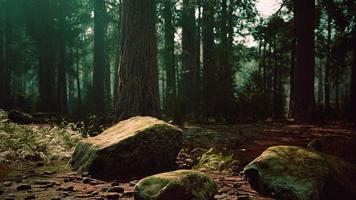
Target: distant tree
point(6, 33)
point(225, 92)
point(353, 75)
point(169, 58)
point(187, 95)
point(100, 64)
point(304, 102)
point(138, 74)
point(209, 60)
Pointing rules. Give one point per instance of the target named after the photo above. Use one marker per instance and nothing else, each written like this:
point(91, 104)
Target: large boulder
point(20, 117)
point(134, 146)
point(290, 172)
point(176, 185)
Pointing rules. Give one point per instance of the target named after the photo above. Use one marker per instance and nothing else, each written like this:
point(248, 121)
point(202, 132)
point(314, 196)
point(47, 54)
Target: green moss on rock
point(136, 145)
point(180, 184)
point(290, 172)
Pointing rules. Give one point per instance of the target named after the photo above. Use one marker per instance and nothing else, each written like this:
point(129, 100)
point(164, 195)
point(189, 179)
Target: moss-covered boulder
point(176, 185)
point(136, 145)
point(290, 172)
point(20, 117)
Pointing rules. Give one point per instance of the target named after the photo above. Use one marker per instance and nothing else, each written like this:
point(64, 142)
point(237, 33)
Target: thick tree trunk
point(209, 63)
point(138, 74)
point(100, 66)
point(304, 102)
point(187, 96)
point(169, 59)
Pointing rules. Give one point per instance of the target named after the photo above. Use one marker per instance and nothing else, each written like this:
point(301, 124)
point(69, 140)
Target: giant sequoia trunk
point(209, 63)
point(99, 56)
point(188, 81)
point(304, 102)
point(138, 74)
point(169, 62)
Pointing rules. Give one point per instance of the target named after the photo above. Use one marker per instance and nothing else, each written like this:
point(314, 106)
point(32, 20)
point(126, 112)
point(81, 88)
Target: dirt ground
point(245, 141)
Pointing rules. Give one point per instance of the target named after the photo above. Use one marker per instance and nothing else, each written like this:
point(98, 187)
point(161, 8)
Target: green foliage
point(25, 143)
point(217, 161)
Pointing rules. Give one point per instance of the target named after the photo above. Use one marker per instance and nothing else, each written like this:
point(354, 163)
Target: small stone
point(48, 173)
point(224, 190)
point(9, 198)
point(104, 189)
point(115, 183)
point(133, 183)
point(85, 174)
point(30, 197)
point(39, 164)
point(67, 188)
point(243, 197)
point(86, 180)
point(66, 194)
point(23, 187)
point(128, 194)
point(116, 189)
point(68, 179)
point(112, 195)
point(7, 183)
point(236, 185)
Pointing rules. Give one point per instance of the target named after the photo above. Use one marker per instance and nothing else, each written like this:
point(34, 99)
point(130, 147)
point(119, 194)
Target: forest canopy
point(183, 60)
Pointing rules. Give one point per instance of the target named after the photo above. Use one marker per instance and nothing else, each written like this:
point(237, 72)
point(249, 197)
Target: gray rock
point(136, 145)
point(19, 117)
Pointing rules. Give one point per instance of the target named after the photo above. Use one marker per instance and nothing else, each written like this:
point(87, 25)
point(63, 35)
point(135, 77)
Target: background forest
point(217, 61)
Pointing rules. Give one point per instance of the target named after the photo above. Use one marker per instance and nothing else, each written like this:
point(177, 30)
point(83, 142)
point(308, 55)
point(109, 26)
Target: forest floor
point(55, 180)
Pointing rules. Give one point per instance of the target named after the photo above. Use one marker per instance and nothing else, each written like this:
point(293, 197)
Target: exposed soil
point(245, 141)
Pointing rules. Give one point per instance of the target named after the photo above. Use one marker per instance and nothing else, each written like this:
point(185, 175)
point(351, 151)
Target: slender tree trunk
point(77, 72)
point(138, 73)
point(198, 86)
point(304, 101)
point(187, 95)
point(353, 77)
point(100, 66)
point(209, 63)
point(327, 81)
point(169, 59)
point(291, 78)
point(117, 61)
point(226, 77)
point(6, 57)
point(62, 67)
